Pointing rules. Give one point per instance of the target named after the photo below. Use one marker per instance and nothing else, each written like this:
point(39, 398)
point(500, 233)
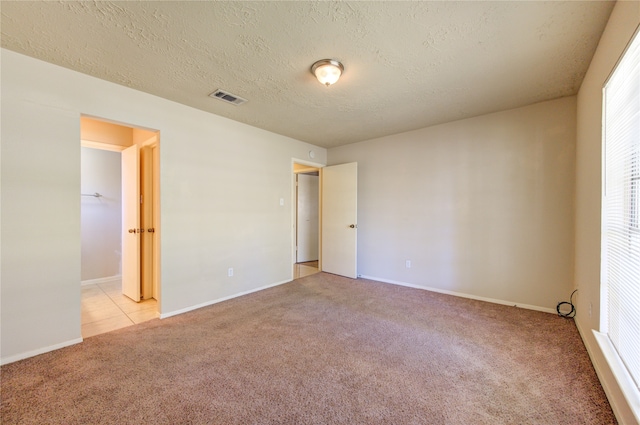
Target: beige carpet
point(320, 350)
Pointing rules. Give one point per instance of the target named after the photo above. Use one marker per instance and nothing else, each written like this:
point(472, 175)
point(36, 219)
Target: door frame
point(294, 208)
point(155, 146)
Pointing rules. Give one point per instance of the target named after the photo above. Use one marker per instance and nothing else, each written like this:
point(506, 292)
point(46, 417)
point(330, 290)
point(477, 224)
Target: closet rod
point(95, 195)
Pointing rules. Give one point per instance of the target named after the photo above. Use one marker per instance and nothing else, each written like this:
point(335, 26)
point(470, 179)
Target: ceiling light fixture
point(327, 71)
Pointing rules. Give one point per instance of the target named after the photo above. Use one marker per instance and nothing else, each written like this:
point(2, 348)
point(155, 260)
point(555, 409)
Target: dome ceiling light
point(327, 71)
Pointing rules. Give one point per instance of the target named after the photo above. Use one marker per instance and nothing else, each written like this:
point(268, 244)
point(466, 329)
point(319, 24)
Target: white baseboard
point(463, 295)
point(22, 356)
point(219, 300)
point(101, 280)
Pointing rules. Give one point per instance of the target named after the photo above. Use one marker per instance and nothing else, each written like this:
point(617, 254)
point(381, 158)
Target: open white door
point(339, 219)
point(131, 222)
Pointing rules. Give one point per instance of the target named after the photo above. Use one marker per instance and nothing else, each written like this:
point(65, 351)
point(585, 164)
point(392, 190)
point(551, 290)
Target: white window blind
point(621, 210)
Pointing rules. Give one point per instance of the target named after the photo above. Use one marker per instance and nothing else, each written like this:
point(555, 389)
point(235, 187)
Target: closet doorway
point(307, 220)
point(120, 257)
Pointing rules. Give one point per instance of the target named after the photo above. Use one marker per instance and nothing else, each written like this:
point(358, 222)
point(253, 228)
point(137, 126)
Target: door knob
point(151, 230)
point(353, 226)
point(132, 230)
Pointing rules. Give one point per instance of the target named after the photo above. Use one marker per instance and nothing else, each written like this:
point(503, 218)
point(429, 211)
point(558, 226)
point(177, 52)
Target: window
point(621, 210)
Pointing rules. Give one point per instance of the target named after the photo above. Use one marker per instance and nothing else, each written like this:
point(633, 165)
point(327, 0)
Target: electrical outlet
point(407, 264)
point(230, 272)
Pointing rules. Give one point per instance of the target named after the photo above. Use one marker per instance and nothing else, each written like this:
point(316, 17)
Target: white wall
point(221, 183)
point(100, 218)
point(481, 207)
point(623, 21)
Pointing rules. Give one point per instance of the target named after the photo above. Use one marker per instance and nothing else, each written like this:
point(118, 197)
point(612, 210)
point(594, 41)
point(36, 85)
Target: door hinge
point(140, 198)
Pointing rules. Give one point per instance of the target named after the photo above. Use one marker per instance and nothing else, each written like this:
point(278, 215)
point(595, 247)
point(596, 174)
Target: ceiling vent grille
point(228, 97)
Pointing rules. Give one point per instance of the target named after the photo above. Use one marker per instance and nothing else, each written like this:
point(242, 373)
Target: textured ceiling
point(408, 65)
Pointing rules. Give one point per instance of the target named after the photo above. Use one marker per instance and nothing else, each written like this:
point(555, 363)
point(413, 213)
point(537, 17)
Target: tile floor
point(305, 269)
point(105, 309)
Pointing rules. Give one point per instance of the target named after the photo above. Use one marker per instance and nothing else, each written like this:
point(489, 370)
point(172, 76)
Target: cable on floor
point(571, 313)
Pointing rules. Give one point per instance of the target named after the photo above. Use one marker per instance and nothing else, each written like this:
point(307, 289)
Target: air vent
point(228, 97)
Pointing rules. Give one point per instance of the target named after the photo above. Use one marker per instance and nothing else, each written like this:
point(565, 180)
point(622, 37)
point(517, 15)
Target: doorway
point(337, 231)
point(105, 181)
point(307, 220)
